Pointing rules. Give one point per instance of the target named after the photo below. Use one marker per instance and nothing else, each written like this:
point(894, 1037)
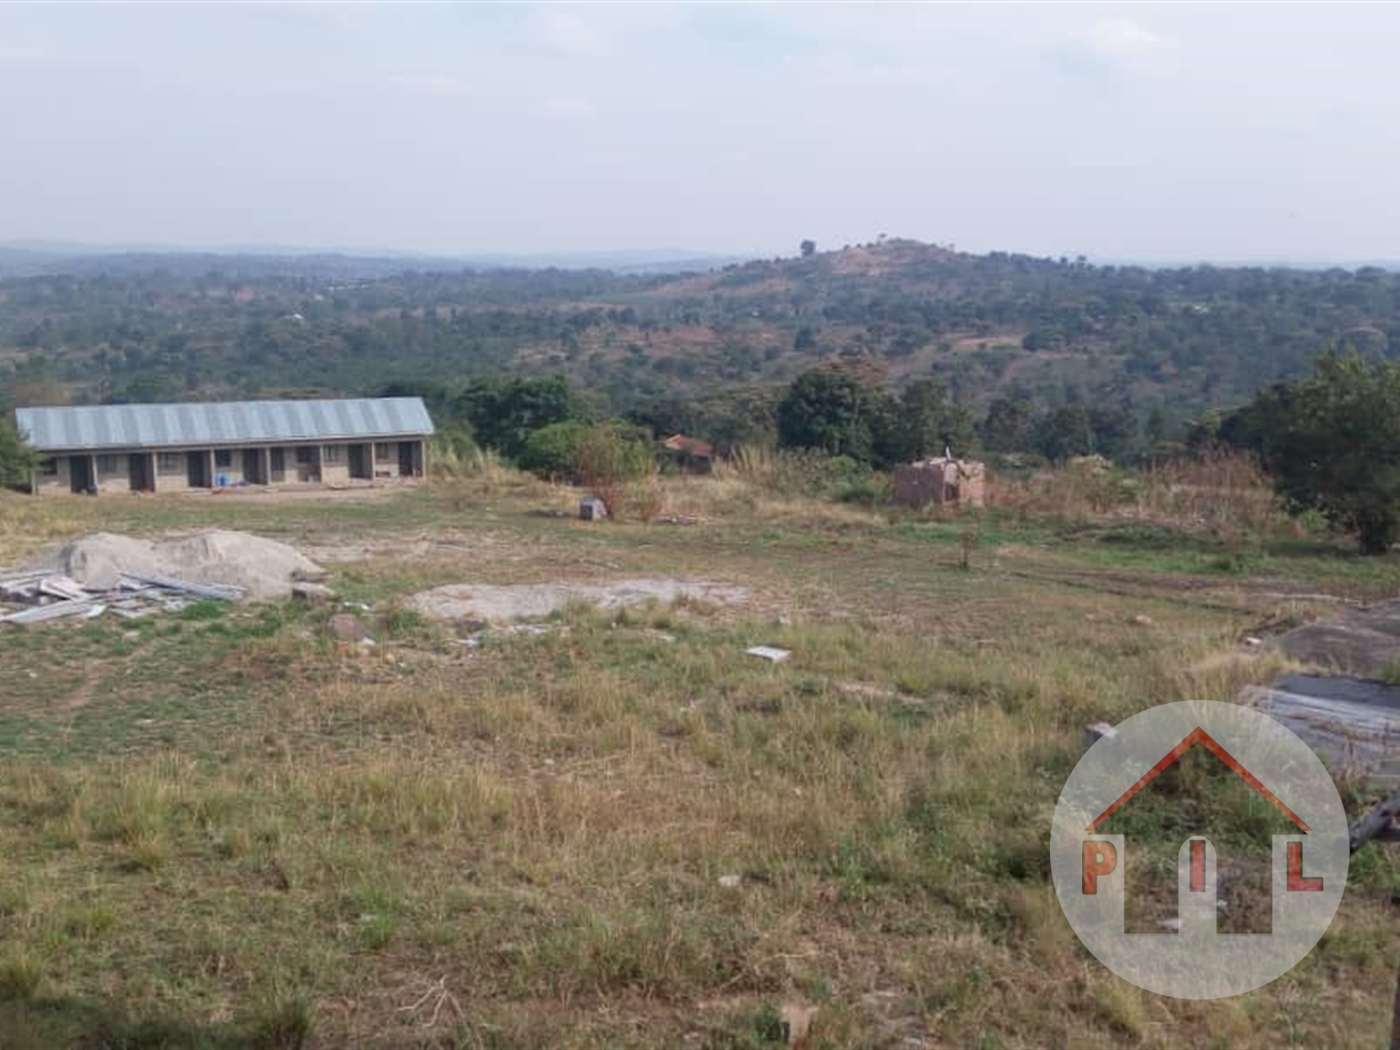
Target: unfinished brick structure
point(945, 480)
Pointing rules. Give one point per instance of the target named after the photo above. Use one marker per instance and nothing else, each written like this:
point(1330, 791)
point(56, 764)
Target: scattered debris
point(1253, 642)
point(53, 597)
point(134, 578)
point(312, 593)
point(591, 508)
point(494, 602)
point(262, 569)
point(42, 613)
point(1142, 620)
point(348, 628)
point(533, 630)
point(867, 691)
point(730, 882)
point(797, 1023)
point(770, 653)
point(1097, 731)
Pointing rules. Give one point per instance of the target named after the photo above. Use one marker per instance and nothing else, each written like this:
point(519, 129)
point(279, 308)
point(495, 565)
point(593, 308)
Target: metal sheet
point(222, 423)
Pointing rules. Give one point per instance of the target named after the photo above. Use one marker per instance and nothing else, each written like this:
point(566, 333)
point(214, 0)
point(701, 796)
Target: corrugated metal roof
point(222, 423)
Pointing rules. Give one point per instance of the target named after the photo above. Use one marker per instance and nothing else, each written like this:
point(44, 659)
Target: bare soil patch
point(537, 600)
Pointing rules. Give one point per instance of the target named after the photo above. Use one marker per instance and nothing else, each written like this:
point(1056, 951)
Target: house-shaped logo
point(1309, 858)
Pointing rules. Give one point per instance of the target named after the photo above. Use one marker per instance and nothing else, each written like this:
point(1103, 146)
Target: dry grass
point(1221, 493)
point(523, 844)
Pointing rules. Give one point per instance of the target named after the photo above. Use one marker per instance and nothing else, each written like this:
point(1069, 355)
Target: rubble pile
point(134, 578)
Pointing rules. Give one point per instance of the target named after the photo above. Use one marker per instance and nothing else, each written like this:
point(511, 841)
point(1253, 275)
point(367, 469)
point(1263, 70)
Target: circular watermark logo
point(1127, 794)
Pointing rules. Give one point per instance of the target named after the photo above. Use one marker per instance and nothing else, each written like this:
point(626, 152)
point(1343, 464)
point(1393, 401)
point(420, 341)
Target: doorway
point(252, 467)
point(80, 474)
point(406, 457)
point(360, 458)
point(140, 472)
point(197, 470)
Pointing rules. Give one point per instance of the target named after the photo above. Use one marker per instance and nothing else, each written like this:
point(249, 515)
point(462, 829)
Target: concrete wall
point(172, 472)
point(304, 464)
point(58, 483)
point(335, 465)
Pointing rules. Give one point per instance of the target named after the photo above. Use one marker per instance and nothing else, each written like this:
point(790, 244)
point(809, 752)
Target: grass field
point(220, 828)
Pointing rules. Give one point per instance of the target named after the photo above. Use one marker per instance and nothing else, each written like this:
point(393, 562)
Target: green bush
point(552, 451)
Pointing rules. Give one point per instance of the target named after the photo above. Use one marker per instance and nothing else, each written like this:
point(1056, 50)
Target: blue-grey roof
point(222, 423)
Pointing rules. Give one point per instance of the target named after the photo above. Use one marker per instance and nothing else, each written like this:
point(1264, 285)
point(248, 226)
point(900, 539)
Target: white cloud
point(565, 33)
point(569, 106)
point(1118, 45)
point(434, 84)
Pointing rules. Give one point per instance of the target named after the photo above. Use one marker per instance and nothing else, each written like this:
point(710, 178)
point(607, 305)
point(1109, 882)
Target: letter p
point(1100, 858)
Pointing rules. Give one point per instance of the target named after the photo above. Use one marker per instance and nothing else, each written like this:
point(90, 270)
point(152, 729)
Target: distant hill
point(36, 258)
point(1179, 340)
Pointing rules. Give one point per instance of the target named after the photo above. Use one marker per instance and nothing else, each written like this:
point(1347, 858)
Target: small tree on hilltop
point(1332, 442)
point(807, 248)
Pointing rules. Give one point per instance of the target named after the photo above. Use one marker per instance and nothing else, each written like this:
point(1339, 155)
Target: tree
point(829, 410)
point(1332, 442)
point(18, 461)
point(932, 421)
point(503, 414)
point(1009, 424)
point(807, 248)
point(1064, 432)
point(1114, 430)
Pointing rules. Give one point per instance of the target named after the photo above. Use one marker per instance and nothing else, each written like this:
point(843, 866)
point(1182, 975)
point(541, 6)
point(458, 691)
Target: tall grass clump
point(1219, 492)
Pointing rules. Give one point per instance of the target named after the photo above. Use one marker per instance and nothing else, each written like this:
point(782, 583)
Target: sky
point(1126, 132)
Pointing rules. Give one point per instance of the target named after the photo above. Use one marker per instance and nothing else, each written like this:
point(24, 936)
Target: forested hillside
point(1163, 342)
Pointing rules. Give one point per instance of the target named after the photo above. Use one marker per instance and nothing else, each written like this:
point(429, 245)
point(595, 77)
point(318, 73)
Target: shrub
point(552, 451)
point(452, 451)
point(617, 463)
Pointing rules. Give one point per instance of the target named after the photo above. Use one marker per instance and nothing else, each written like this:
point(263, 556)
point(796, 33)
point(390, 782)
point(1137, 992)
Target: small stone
point(1097, 731)
point(1253, 642)
point(312, 593)
point(1142, 620)
point(730, 882)
point(348, 628)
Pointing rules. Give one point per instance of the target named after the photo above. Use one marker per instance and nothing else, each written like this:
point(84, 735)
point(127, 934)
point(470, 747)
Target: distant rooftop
point(93, 427)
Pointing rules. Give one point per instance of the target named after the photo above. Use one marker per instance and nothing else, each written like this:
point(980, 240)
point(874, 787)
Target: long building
point(102, 449)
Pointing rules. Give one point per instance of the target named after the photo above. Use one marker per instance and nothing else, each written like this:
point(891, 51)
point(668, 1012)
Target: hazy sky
point(1118, 131)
